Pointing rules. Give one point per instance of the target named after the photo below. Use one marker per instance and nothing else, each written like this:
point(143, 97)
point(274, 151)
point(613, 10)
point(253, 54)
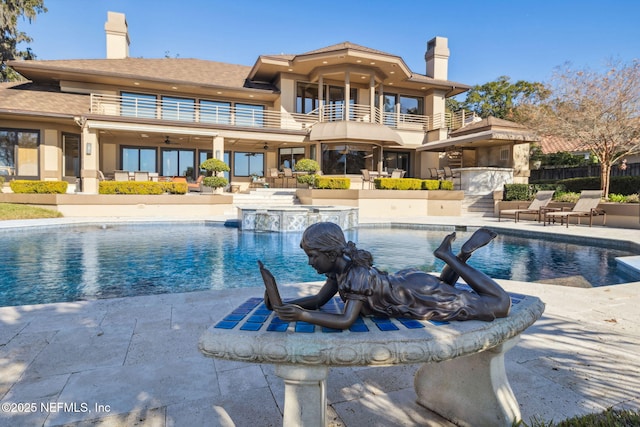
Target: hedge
point(323, 182)
point(398, 183)
point(38, 187)
point(432, 184)
point(624, 185)
point(141, 187)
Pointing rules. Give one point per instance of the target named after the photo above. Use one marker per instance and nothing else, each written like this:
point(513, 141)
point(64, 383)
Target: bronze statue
point(408, 293)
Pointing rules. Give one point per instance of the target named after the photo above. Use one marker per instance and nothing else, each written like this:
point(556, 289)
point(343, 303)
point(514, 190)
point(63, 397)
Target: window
point(343, 159)
point(215, 112)
point(247, 164)
point(138, 105)
point(306, 97)
point(402, 104)
point(71, 153)
point(178, 109)
point(412, 105)
point(289, 156)
point(396, 160)
point(249, 115)
point(179, 163)
point(139, 159)
point(19, 152)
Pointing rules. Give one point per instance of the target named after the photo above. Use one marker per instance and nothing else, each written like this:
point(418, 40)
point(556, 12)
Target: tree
point(500, 98)
point(599, 109)
point(10, 37)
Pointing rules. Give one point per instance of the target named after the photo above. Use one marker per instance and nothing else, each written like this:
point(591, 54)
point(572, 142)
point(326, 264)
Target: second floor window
point(138, 105)
point(178, 109)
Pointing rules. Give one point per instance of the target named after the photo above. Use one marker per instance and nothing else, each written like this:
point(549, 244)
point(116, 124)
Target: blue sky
point(522, 39)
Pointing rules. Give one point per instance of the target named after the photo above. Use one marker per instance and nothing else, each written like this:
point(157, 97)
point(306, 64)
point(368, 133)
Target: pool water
point(77, 263)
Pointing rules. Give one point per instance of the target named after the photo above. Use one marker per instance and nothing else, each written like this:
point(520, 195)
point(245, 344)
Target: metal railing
point(192, 112)
point(257, 117)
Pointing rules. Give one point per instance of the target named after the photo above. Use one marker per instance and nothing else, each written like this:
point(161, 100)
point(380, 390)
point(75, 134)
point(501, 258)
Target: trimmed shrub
point(446, 185)
point(139, 187)
point(323, 182)
point(431, 184)
point(214, 165)
point(517, 192)
point(38, 187)
point(307, 165)
point(1, 179)
point(215, 181)
point(624, 185)
point(306, 179)
point(398, 183)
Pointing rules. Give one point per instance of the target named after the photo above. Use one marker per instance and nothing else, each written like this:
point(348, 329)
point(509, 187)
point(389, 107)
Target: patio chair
point(120, 176)
point(538, 206)
point(288, 177)
point(273, 178)
point(436, 174)
point(197, 185)
point(587, 205)
point(366, 177)
point(140, 176)
point(449, 174)
point(397, 173)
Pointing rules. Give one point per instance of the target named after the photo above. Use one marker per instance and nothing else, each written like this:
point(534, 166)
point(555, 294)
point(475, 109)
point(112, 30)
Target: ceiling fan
point(169, 142)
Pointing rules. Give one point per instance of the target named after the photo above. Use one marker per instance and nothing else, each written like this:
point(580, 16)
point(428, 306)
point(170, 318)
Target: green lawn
point(14, 211)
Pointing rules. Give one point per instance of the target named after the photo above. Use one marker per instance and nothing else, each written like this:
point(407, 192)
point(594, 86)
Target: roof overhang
point(341, 131)
point(480, 139)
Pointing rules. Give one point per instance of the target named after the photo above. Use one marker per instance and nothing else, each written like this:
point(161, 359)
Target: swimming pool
point(72, 263)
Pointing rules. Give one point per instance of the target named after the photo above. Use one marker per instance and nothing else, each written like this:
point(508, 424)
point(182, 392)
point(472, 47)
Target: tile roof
point(34, 98)
point(185, 70)
point(556, 144)
point(347, 45)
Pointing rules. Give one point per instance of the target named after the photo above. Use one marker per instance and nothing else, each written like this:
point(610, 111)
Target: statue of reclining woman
point(409, 293)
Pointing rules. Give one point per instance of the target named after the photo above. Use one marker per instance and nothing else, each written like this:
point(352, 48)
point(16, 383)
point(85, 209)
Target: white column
point(347, 95)
point(320, 98)
point(89, 150)
point(218, 147)
point(305, 395)
point(381, 102)
point(372, 98)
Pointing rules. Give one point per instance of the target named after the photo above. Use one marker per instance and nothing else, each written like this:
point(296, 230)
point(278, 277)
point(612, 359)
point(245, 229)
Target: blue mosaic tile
point(304, 327)
point(251, 326)
point(234, 317)
point(330, 330)
point(384, 324)
point(359, 327)
point(278, 327)
point(255, 318)
point(226, 325)
point(410, 323)
point(438, 322)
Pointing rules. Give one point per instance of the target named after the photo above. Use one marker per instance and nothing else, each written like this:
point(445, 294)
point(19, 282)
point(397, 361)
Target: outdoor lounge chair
point(366, 177)
point(140, 176)
point(537, 206)
point(587, 205)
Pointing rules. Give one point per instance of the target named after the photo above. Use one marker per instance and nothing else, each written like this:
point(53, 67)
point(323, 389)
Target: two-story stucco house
point(347, 106)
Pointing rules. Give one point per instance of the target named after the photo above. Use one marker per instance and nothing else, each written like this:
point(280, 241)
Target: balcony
point(255, 117)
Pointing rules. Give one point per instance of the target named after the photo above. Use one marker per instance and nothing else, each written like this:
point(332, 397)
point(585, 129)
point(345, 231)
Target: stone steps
point(477, 205)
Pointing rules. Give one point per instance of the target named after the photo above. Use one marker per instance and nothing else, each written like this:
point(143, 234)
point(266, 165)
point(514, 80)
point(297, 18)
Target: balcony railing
point(256, 117)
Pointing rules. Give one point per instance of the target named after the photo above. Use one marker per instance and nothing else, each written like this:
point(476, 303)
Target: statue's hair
point(328, 237)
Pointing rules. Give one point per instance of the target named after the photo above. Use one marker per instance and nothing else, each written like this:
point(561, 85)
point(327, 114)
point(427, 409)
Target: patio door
point(71, 156)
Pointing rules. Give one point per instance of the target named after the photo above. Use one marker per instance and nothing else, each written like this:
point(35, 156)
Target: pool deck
point(135, 361)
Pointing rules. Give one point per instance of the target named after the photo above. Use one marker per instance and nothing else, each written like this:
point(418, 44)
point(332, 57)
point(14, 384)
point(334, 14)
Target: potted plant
point(214, 179)
point(310, 167)
point(535, 156)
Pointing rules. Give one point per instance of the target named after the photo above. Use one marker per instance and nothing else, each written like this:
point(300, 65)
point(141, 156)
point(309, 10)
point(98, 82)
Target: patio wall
point(388, 203)
point(103, 205)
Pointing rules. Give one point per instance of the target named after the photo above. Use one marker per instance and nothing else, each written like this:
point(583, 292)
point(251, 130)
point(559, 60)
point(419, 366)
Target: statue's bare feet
point(481, 237)
point(444, 250)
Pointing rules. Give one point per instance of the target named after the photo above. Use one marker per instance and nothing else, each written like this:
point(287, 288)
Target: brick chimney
point(437, 58)
point(117, 36)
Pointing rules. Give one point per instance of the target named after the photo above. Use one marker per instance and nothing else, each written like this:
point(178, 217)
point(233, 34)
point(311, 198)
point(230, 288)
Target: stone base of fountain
point(295, 218)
